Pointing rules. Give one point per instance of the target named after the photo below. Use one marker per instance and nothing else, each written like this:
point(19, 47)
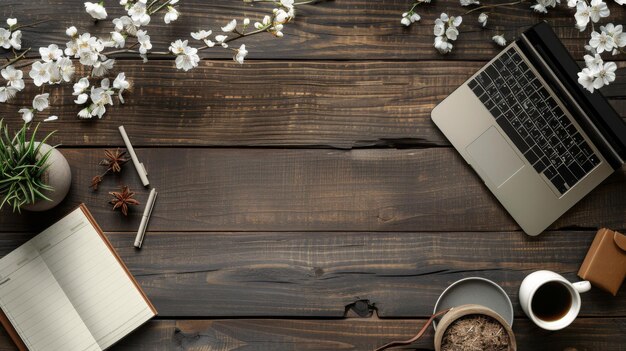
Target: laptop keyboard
point(534, 122)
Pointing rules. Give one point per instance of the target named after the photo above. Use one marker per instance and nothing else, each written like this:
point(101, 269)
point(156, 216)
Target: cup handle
point(582, 286)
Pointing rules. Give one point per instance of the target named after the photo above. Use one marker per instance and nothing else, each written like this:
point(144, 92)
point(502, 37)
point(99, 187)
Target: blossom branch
point(30, 24)
point(16, 59)
point(493, 6)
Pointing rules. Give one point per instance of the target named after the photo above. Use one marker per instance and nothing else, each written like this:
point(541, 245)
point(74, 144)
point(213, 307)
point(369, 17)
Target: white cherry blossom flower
point(265, 23)
point(125, 23)
point(13, 77)
point(594, 63)
point(220, 40)
point(619, 38)
point(572, 3)
point(230, 26)
point(440, 27)
point(5, 38)
point(71, 48)
point(442, 44)
point(40, 102)
point(16, 40)
point(281, 16)
point(542, 5)
point(100, 97)
point(66, 68)
point(7, 93)
point(27, 114)
point(452, 33)
point(100, 68)
point(186, 56)
point(51, 53)
point(405, 20)
point(605, 75)
point(276, 30)
point(71, 31)
point(81, 86)
point(118, 39)
point(456, 21)
point(482, 19)
point(51, 118)
point(84, 113)
point(11, 21)
point(55, 74)
point(409, 18)
point(469, 2)
point(601, 42)
point(121, 84)
point(40, 73)
point(178, 47)
point(201, 35)
point(81, 99)
point(598, 10)
point(241, 54)
point(499, 39)
point(144, 41)
point(620, 2)
point(88, 57)
point(96, 10)
point(171, 15)
point(582, 15)
point(139, 14)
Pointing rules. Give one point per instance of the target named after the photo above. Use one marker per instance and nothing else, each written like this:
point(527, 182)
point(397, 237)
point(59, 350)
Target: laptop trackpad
point(493, 157)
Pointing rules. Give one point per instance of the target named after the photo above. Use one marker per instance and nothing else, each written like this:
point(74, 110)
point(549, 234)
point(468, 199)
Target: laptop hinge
point(587, 121)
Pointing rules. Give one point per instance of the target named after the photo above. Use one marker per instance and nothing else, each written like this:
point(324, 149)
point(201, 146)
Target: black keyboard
point(532, 119)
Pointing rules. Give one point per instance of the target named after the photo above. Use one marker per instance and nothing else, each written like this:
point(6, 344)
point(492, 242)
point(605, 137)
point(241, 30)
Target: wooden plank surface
point(301, 104)
point(311, 190)
point(320, 274)
point(355, 29)
point(352, 334)
point(259, 234)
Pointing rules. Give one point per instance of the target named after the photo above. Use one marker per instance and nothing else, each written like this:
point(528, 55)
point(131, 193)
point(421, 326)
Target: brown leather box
point(605, 263)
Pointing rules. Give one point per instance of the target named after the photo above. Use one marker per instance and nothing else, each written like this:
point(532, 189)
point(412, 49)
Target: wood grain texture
point(310, 190)
point(319, 274)
point(300, 104)
point(353, 334)
point(340, 29)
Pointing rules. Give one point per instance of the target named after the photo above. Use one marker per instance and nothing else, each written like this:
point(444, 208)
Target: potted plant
point(34, 176)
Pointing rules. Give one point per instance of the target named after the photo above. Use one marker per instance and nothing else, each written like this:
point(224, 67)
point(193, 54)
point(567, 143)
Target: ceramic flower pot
point(58, 175)
point(465, 310)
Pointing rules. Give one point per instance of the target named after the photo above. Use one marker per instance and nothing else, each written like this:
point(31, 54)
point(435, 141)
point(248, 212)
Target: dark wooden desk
point(308, 187)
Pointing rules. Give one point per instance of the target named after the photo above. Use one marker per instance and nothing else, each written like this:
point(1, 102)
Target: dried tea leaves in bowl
point(475, 332)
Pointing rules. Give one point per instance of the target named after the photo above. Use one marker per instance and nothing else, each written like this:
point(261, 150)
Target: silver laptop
point(537, 139)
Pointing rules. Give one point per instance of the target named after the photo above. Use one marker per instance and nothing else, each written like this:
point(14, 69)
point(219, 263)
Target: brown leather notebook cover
point(9, 327)
point(12, 332)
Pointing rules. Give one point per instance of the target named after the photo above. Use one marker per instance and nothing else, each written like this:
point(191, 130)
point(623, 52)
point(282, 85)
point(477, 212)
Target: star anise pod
point(123, 199)
point(95, 182)
point(114, 160)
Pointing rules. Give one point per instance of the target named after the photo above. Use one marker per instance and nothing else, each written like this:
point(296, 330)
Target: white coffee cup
point(538, 279)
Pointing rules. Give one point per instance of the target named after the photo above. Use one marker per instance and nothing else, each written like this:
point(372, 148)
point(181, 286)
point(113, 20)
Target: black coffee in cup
point(551, 301)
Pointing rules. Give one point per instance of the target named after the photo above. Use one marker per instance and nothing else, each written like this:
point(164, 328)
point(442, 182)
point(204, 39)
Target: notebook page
point(36, 305)
point(94, 281)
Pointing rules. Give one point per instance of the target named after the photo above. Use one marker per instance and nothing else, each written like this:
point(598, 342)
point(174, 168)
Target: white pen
point(145, 218)
point(141, 170)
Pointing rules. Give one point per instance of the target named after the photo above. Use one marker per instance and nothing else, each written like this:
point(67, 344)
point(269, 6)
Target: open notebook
point(67, 289)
